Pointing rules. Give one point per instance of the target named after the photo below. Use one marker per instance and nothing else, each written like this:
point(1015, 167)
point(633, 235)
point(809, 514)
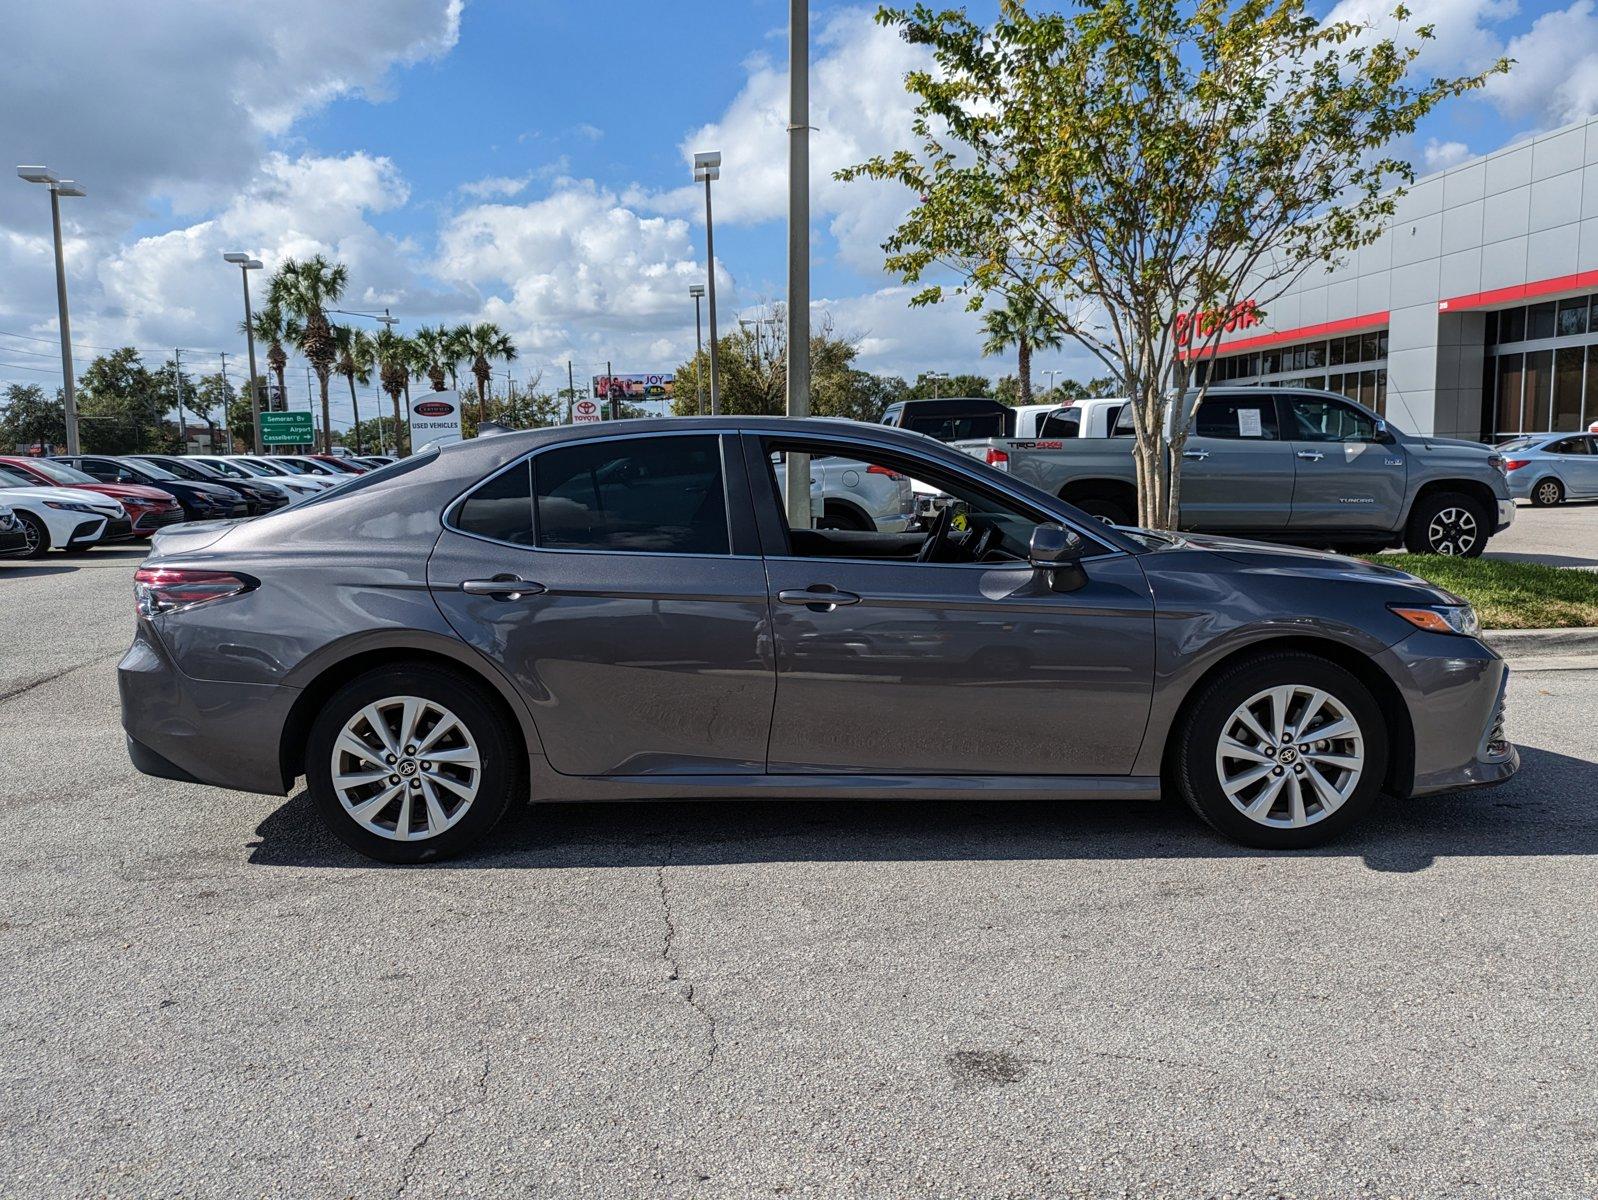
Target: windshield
point(261, 466)
point(338, 466)
point(145, 467)
point(60, 472)
point(227, 468)
point(300, 467)
point(186, 470)
point(10, 478)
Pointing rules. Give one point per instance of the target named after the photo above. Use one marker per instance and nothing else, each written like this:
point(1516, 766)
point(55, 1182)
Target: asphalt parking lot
point(206, 995)
point(1565, 536)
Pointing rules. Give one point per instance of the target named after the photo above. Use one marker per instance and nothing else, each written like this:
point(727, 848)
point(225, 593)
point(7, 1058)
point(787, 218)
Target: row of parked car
point(76, 502)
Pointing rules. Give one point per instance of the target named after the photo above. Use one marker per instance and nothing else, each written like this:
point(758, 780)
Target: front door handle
point(1311, 455)
point(1200, 455)
point(818, 597)
point(502, 587)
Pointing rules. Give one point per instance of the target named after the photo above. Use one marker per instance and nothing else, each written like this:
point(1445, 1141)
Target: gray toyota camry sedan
point(626, 612)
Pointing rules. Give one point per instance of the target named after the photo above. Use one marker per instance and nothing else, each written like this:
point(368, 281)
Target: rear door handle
point(1311, 455)
point(502, 587)
point(1201, 455)
point(818, 597)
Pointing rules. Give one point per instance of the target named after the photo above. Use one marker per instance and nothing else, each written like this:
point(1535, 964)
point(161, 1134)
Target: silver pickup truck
point(1291, 465)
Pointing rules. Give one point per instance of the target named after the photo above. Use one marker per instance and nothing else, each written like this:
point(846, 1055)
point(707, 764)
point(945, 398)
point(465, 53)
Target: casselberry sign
point(435, 417)
point(1206, 322)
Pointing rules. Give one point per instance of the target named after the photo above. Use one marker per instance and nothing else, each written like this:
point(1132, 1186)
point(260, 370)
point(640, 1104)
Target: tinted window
point(1066, 423)
point(1575, 445)
point(959, 428)
point(502, 508)
point(16, 479)
point(109, 472)
point(1317, 420)
point(1237, 417)
point(654, 495)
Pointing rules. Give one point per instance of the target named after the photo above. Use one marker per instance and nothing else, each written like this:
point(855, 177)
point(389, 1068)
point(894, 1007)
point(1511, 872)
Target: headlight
point(71, 506)
point(1442, 618)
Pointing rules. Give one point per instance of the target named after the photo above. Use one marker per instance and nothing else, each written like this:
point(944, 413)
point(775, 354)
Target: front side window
point(1317, 420)
point(662, 495)
point(1238, 418)
point(1575, 445)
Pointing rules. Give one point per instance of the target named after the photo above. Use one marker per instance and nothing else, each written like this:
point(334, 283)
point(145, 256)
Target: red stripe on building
point(1303, 333)
point(1584, 281)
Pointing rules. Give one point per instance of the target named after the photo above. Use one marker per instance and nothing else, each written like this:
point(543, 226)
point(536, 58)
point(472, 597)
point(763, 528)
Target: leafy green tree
point(931, 386)
point(270, 328)
point(29, 418)
point(1023, 322)
point(484, 343)
point(306, 290)
point(1135, 162)
point(394, 354)
point(122, 407)
point(213, 396)
point(355, 361)
point(457, 348)
point(431, 347)
point(241, 415)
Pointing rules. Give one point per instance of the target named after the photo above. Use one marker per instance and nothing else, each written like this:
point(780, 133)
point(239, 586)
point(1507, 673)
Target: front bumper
point(1506, 515)
point(221, 733)
point(147, 522)
point(87, 533)
point(118, 530)
point(12, 541)
point(1454, 690)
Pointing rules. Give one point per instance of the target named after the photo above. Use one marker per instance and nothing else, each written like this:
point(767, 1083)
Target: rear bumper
point(221, 733)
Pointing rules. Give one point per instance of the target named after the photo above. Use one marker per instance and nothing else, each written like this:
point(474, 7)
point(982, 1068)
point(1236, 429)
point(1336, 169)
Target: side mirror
point(1057, 551)
point(1054, 546)
point(1384, 435)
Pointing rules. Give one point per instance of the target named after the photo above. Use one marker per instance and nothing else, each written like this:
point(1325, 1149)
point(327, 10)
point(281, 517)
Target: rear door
point(1344, 477)
point(1578, 464)
point(1237, 472)
point(639, 634)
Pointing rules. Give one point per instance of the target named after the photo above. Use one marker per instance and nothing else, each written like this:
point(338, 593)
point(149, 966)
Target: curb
point(1581, 642)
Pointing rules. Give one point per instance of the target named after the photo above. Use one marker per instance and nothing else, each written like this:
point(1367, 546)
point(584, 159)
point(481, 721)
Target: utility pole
point(227, 417)
point(697, 291)
point(614, 405)
point(798, 473)
point(310, 403)
point(571, 391)
point(177, 375)
point(707, 166)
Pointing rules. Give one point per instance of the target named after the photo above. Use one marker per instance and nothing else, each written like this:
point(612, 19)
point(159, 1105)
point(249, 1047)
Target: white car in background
point(293, 488)
point(70, 519)
point(264, 467)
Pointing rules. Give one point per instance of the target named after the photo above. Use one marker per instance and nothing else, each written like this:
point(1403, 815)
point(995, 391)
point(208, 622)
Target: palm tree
point(1023, 323)
point(432, 344)
point(306, 290)
point(354, 363)
point(486, 343)
point(393, 355)
point(458, 347)
point(270, 326)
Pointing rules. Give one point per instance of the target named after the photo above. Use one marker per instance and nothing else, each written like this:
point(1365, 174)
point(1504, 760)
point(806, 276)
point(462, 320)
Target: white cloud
point(1439, 156)
point(588, 132)
point(1555, 77)
point(495, 185)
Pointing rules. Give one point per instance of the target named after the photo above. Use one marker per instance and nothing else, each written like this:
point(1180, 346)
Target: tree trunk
point(395, 396)
point(355, 407)
point(327, 422)
point(1024, 367)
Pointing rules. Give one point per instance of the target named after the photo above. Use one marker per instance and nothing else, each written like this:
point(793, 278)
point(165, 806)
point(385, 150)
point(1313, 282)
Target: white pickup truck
point(1093, 418)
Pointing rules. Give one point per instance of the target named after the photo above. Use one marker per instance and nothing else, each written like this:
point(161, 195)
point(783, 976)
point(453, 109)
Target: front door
point(1237, 472)
point(640, 638)
point(1345, 478)
point(966, 664)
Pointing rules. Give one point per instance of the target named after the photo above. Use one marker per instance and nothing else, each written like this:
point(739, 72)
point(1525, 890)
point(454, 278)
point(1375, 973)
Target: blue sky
point(526, 162)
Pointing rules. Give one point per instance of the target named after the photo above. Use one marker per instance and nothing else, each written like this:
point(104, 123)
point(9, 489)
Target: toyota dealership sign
point(435, 417)
point(584, 411)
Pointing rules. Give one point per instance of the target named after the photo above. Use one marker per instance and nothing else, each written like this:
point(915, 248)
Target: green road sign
point(286, 429)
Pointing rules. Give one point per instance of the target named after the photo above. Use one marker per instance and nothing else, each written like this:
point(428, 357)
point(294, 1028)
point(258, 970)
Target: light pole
point(798, 475)
point(59, 188)
point(936, 377)
point(707, 166)
point(697, 291)
point(246, 264)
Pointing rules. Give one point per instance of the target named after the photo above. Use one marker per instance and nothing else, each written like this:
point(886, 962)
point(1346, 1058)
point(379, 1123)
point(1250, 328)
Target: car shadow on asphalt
point(1546, 810)
point(28, 568)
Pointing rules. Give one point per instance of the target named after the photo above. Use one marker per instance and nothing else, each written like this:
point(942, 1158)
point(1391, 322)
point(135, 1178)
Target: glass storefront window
point(1539, 391)
point(1512, 325)
point(1370, 349)
point(1315, 356)
point(1567, 388)
point(1367, 388)
point(1572, 318)
point(1381, 392)
point(1510, 377)
point(1337, 352)
point(1540, 321)
point(1492, 329)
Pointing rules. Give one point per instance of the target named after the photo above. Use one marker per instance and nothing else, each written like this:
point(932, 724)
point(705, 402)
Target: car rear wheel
point(1547, 493)
point(835, 517)
point(1282, 752)
point(38, 537)
point(1447, 523)
point(410, 764)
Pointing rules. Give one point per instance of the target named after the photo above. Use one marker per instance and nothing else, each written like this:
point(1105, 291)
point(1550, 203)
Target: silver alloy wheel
point(30, 533)
point(1453, 531)
point(406, 768)
point(1290, 756)
point(1548, 492)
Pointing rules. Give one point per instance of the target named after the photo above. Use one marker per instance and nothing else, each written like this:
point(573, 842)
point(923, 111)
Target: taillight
point(998, 459)
point(874, 469)
point(171, 589)
point(1514, 464)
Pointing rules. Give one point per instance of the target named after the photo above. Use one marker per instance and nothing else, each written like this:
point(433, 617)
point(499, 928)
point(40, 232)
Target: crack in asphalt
point(688, 991)
point(25, 688)
point(408, 1168)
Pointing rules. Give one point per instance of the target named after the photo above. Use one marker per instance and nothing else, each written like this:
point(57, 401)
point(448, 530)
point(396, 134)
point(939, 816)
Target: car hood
point(1268, 557)
point(130, 491)
point(21, 497)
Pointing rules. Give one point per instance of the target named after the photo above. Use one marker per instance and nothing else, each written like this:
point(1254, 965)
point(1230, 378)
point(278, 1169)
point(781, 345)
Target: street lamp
point(246, 264)
point(936, 377)
point(58, 188)
point(707, 166)
point(697, 291)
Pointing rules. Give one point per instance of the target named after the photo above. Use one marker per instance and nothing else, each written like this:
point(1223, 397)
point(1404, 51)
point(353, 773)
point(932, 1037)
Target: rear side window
point(959, 428)
point(663, 495)
point(1575, 445)
point(1245, 418)
point(502, 508)
point(1067, 423)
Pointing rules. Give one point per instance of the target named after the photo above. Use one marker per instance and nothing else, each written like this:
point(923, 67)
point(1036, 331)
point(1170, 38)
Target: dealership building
point(1474, 315)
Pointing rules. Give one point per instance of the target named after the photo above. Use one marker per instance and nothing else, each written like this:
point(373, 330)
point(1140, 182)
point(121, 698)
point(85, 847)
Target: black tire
point(1448, 523)
point(501, 777)
point(1198, 738)
point(1548, 492)
point(38, 536)
point(843, 520)
point(1100, 508)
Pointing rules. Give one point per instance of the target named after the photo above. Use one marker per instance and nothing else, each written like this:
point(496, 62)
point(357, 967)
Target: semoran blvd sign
point(287, 429)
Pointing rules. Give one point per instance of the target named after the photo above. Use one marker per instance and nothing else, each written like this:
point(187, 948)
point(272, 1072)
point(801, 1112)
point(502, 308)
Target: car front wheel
point(1447, 523)
point(1282, 752)
point(36, 535)
point(412, 763)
